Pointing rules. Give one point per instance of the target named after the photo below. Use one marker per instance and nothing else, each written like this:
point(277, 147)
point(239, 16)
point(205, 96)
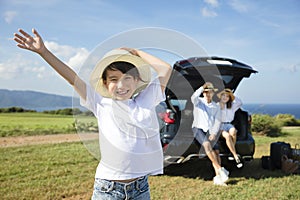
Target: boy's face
point(208, 95)
point(120, 86)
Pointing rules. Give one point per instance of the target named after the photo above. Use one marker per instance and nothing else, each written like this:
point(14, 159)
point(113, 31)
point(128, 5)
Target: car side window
point(180, 103)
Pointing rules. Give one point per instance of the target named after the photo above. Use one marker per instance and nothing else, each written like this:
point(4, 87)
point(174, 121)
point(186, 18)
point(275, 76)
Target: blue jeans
point(111, 190)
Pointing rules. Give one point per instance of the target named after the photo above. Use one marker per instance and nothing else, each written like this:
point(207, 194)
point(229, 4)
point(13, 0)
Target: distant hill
point(34, 100)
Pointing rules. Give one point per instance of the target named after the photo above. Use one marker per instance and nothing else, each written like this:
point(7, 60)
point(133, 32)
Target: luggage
point(278, 149)
point(266, 163)
point(295, 153)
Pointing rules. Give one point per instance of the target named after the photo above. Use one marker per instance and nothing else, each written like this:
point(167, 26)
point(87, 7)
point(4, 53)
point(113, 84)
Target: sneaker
point(239, 163)
point(223, 173)
point(217, 181)
point(230, 157)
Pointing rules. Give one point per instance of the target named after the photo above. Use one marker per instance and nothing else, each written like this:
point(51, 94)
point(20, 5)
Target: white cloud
point(213, 3)
point(63, 51)
point(11, 68)
point(294, 68)
point(20, 66)
point(24, 65)
point(238, 6)
point(209, 10)
point(9, 16)
point(33, 3)
point(206, 12)
point(270, 23)
point(7, 73)
point(77, 60)
point(40, 71)
point(74, 57)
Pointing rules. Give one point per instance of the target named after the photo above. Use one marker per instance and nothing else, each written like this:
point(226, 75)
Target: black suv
point(176, 113)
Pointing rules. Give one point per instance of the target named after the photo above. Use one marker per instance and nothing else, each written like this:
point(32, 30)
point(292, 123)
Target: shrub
point(286, 120)
point(265, 125)
point(65, 111)
point(15, 110)
point(85, 127)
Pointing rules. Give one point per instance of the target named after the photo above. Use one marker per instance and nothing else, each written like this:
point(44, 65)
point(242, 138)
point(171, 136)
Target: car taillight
point(167, 117)
point(165, 146)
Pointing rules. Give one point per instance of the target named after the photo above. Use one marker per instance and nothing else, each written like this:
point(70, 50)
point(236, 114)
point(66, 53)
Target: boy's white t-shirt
point(128, 133)
point(207, 116)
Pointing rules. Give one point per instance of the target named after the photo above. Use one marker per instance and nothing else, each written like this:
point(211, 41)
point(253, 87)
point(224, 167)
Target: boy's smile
point(120, 86)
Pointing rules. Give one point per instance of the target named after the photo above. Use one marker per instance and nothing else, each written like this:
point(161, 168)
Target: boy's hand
point(26, 41)
point(130, 50)
point(207, 85)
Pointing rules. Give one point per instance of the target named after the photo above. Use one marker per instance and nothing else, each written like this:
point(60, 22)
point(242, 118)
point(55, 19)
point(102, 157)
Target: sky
point(263, 34)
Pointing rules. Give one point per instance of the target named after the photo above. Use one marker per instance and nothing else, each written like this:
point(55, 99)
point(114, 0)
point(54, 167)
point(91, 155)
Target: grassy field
point(66, 171)
point(16, 124)
point(25, 124)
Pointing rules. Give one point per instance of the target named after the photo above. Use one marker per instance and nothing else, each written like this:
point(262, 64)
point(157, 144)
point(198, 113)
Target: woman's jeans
point(111, 190)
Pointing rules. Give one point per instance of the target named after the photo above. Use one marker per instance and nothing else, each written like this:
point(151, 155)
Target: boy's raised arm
point(162, 68)
point(36, 44)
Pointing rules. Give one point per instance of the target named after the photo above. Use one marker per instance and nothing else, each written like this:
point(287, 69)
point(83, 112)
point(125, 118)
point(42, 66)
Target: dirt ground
point(42, 139)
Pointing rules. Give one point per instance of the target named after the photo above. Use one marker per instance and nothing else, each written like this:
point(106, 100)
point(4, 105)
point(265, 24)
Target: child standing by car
point(128, 129)
point(229, 104)
point(206, 125)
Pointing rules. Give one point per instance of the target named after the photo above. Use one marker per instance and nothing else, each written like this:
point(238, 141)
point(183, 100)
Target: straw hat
point(209, 87)
point(115, 56)
point(227, 91)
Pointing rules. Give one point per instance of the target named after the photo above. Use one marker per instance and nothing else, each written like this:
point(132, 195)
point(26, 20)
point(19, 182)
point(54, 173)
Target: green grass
point(25, 124)
point(193, 180)
point(16, 124)
point(290, 135)
point(66, 171)
point(46, 171)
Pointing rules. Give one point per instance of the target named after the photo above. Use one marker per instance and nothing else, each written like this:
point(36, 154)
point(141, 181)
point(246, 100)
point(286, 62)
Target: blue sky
point(264, 34)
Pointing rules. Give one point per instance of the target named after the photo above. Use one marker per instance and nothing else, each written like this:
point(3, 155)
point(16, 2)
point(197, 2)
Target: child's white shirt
point(228, 113)
point(206, 115)
point(129, 136)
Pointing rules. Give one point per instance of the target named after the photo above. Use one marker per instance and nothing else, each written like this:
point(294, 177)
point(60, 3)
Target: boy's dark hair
point(124, 67)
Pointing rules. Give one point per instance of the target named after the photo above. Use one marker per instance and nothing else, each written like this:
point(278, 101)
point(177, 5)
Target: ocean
point(273, 109)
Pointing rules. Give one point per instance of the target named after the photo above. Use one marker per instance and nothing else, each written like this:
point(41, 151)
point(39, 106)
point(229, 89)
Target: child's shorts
point(106, 189)
point(226, 127)
point(202, 136)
